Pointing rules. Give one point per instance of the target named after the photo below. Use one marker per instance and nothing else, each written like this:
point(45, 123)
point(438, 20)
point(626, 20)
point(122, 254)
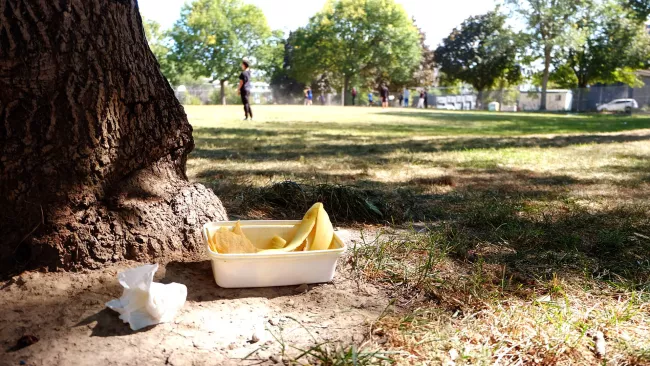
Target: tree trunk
point(93, 143)
point(479, 100)
point(547, 66)
point(346, 87)
point(223, 91)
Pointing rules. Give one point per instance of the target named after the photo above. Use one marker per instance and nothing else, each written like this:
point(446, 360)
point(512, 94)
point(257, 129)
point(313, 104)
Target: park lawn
point(505, 237)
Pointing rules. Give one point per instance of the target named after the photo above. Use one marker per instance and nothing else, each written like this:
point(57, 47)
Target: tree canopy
point(159, 43)
point(549, 22)
point(212, 36)
point(481, 52)
point(609, 45)
point(364, 40)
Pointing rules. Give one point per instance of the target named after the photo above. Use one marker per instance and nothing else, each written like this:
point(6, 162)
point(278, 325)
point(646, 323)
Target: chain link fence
point(593, 99)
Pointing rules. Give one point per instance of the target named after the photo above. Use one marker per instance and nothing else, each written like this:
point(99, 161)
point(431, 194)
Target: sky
point(436, 17)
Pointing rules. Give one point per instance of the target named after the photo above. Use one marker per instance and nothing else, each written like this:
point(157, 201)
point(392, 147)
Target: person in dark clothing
point(354, 95)
point(384, 95)
point(426, 100)
point(245, 89)
point(401, 99)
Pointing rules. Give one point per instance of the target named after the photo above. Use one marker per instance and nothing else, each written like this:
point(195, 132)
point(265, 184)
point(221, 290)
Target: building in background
point(556, 100)
point(261, 92)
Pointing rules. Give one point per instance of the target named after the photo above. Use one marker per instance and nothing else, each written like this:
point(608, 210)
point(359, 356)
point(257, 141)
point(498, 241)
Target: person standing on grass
point(384, 95)
point(245, 88)
point(354, 95)
point(407, 94)
point(426, 100)
point(310, 97)
point(322, 99)
point(306, 92)
point(421, 100)
point(401, 99)
point(370, 99)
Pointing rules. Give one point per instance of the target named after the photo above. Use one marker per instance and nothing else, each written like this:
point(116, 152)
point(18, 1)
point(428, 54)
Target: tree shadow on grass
point(530, 215)
point(334, 146)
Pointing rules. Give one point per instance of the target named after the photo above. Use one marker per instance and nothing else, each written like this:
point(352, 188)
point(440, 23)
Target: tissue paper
point(144, 302)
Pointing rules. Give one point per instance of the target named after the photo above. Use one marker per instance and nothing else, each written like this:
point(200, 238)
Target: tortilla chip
point(228, 242)
point(237, 229)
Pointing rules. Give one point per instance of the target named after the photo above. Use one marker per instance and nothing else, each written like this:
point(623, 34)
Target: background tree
point(212, 36)
point(285, 88)
point(609, 46)
point(640, 9)
point(425, 72)
point(92, 149)
point(160, 46)
point(363, 39)
point(548, 24)
point(481, 52)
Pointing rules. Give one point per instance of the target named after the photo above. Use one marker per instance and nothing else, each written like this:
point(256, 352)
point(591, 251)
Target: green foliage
point(423, 75)
point(608, 47)
point(230, 93)
point(640, 9)
point(480, 53)
point(549, 28)
point(362, 40)
point(212, 36)
point(159, 43)
point(286, 89)
point(189, 99)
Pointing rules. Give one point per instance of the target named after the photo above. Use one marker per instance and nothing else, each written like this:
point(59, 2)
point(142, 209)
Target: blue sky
point(436, 17)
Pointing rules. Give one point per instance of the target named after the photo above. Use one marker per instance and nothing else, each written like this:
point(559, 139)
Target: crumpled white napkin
point(144, 302)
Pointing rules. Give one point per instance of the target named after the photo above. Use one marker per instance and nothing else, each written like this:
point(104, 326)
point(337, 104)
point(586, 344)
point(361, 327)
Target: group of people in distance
point(244, 90)
point(385, 97)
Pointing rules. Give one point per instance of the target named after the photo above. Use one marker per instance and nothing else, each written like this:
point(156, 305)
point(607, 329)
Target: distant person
point(407, 94)
point(322, 99)
point(306, 93)
point(384, 96)
point(426, 100)
point(370, 99)
point(309, 96)
point(421, 100)
point(354, 95)
point(401, 99)
point(245, 89)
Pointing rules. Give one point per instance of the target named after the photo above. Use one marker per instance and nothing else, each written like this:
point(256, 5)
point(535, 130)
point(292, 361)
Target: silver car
point(618, 105)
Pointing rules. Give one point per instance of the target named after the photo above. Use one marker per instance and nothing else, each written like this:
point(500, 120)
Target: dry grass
point(531, 232)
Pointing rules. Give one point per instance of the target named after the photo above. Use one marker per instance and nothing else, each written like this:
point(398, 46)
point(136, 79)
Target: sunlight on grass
point(532, 231)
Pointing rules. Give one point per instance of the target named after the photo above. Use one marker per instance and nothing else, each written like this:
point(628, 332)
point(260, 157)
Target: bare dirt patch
point(66, 313)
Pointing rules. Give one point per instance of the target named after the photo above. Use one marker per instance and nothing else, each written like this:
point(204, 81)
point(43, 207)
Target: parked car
point(618, 105)
point(449, 107)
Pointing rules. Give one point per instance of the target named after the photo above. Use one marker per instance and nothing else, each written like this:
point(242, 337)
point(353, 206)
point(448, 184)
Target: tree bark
point(93, 143)
point(223, 91)
point(346, 87)
point(545, 76)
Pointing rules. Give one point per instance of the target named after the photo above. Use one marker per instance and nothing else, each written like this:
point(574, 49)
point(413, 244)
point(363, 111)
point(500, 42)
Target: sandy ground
point(66, 312)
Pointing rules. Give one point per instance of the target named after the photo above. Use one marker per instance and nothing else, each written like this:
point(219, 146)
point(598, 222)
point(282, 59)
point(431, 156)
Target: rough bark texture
point(545, 76)
point(222, 83)
point(93, 143)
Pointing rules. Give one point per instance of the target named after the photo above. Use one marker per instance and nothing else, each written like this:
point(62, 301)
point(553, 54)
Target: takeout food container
point(272, 269)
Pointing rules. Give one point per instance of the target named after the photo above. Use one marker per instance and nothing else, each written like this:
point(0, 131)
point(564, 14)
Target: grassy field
point(508, 238)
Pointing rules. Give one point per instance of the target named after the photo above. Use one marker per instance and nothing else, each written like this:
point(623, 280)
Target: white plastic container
point(275, 269)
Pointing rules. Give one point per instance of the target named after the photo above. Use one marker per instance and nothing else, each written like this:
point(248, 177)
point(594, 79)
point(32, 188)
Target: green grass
point(494, 212)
